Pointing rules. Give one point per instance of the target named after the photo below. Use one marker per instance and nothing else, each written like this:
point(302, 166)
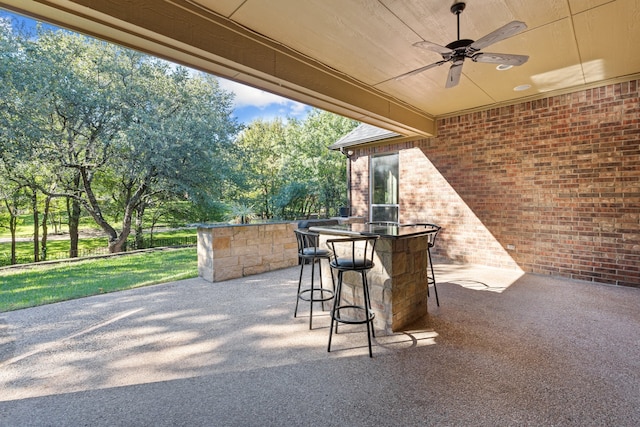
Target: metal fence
point(130, 246)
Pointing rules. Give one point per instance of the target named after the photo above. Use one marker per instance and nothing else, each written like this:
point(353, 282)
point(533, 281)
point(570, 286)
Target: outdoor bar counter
point(398, 282)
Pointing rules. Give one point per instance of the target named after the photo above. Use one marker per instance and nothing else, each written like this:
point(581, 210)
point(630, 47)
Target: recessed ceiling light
point(521, 88)
point(503, 67)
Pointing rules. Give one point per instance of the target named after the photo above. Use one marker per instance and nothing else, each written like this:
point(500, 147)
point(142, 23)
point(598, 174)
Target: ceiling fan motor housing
point(460, 49)
point(459, 44)
point(457, 8)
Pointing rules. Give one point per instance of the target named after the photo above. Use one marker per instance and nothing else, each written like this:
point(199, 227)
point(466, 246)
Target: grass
point(58, 249)
point(44, 284)
point(25, 226)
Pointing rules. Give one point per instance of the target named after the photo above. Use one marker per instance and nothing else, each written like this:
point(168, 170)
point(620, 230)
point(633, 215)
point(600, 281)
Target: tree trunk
point(114, 245)
point(265, 215)
point(45, 217)
point(117, 243)
point(155, 218)
point(13, 226)
point(138, 228)
point(36, 226)
point(73, 212)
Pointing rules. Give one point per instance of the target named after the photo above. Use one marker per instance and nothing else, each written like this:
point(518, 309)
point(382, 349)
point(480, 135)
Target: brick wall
point(549, 186)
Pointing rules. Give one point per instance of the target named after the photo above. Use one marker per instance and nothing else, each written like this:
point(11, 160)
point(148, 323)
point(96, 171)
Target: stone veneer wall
point(231, 251)
point(550, 186)
point(397, 283)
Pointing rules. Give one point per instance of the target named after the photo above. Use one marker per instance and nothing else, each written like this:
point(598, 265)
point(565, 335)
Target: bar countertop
point(384, 230)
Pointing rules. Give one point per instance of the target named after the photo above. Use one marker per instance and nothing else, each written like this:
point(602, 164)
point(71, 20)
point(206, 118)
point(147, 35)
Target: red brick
point(559, 178)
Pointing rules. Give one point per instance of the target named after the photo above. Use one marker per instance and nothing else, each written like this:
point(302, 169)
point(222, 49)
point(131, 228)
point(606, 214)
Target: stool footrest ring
point(369, 318)
point(302, 295)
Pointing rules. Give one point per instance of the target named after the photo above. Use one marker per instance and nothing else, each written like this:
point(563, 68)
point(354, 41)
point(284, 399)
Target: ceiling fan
point(456, 51)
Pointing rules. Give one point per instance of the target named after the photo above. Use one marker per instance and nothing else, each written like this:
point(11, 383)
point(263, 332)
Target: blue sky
point(249, 104)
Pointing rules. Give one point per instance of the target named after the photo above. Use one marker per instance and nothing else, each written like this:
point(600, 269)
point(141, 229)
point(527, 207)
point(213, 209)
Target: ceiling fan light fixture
point(504, 67)
point(520, 88)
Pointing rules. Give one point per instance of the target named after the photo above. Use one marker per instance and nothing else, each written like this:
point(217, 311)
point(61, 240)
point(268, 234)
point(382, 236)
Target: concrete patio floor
point(502, 349)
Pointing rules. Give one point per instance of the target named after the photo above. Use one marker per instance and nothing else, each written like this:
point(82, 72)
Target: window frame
point(392, 206)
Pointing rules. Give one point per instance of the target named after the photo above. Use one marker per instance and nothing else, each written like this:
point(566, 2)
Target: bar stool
point(353, 254)
point(431, 277)
point(308, 251)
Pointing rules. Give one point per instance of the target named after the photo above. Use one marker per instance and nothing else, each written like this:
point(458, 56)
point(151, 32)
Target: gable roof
point(363, 134)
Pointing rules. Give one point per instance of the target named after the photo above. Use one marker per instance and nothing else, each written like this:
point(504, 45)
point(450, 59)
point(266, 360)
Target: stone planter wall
point(231, 251)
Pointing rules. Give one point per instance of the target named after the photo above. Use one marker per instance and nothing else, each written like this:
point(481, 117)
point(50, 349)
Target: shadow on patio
point(536, 350)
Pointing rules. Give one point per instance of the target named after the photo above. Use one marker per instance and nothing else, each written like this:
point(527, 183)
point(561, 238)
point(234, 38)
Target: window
point(384, 188)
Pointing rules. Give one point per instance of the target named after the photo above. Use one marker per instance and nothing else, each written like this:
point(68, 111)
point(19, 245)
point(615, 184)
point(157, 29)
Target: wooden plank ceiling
point(343, 55)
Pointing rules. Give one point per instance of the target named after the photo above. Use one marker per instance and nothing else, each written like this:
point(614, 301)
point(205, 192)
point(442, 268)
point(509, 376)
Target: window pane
point(384, 188)
point(385, 179)
point(384, 213)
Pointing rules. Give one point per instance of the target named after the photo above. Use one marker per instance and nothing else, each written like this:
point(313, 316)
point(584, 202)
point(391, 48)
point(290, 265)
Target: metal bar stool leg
point(313, 273)
point(368, 300)
point(432, 279)
point(336, 299)
point(295, 312)
point(367, 311)
point(321, 286)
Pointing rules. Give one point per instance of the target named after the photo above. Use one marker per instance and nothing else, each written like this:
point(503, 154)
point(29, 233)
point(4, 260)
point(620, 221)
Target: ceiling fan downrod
point(459, 45)
point(457, 9)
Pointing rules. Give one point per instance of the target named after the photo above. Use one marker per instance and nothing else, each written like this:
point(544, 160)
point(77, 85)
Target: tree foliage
point(118, 129)
point(96, 128)
point(290, 172)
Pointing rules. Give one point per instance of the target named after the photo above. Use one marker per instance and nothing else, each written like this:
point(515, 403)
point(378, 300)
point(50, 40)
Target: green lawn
point(25, 226)
point(43, 284)
point(58, 249)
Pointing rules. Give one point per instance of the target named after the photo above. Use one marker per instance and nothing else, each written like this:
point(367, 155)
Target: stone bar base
point(397, 283)
point(230, 251)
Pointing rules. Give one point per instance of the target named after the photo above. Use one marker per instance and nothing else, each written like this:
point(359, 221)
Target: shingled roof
point(363, 134)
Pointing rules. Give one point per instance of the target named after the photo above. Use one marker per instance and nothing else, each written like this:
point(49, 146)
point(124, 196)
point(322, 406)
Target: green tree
point(118, 127)
point(12, 188)
point(289, 170)
point(309, 162)
point(13, 199)
point(262, 147)
point(324, 129)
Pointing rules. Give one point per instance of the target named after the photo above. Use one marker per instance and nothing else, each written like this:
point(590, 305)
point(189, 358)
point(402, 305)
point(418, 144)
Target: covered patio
point(504, 348)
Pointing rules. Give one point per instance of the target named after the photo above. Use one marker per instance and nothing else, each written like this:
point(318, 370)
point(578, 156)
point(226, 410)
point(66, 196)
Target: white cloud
point(298, 108)
point(247, 96)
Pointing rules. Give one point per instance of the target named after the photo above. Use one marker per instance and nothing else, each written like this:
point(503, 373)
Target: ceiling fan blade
point(419, 70)
point(454, 75)
point(504, 32)
point(434, 47)
point(500, 58)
